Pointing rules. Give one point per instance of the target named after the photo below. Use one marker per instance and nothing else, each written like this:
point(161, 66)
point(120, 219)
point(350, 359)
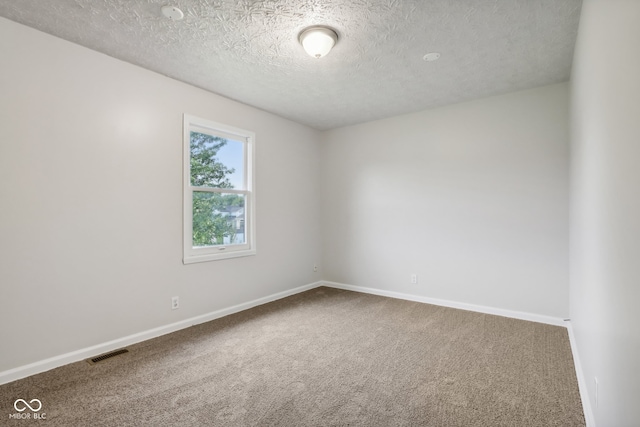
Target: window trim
point(218, 252)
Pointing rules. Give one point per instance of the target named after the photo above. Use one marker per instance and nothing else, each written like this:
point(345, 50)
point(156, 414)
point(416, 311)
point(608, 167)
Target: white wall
point(473, 198)
point(91, 200)
point(605, 207)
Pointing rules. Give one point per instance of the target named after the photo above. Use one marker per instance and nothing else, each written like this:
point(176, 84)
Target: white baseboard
point(582, 383)
point(452, 304)
point(85, 353)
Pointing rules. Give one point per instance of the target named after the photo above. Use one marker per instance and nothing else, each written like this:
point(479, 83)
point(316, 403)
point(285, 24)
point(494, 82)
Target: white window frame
point(217, 252)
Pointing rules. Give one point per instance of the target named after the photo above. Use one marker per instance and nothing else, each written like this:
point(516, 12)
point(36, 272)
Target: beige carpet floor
point(325, 357)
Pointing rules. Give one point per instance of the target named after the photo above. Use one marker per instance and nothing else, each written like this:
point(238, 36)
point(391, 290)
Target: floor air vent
point(106, 356)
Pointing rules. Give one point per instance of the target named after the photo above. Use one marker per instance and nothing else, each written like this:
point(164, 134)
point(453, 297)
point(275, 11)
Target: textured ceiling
point(247, 50)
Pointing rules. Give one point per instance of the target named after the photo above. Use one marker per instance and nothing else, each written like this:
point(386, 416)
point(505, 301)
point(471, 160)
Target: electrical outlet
point(414, 279)
point(595, 379)
point(175, 303)
point(315, 268)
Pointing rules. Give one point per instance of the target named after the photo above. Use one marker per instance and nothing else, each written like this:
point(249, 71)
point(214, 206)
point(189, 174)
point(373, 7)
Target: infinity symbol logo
point(26, 405)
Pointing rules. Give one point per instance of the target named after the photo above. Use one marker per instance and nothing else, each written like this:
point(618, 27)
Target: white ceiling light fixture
point(318, 40)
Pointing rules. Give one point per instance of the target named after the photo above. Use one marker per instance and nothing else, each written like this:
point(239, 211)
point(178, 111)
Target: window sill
point(192, 259)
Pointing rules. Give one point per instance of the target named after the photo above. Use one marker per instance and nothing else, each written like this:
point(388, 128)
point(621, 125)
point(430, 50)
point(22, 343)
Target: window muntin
point(218, 191)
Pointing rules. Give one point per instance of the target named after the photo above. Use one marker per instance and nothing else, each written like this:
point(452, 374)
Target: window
point(218, 191)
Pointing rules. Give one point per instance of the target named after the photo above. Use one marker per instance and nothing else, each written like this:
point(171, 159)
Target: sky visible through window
point(232, 156)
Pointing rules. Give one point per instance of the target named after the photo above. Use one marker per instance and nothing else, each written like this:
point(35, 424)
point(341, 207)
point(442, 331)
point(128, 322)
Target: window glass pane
point(218, 219)
point(232, 156)
point(216, 162)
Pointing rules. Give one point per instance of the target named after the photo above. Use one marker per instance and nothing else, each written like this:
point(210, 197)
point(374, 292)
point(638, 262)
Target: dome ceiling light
point(318, 40)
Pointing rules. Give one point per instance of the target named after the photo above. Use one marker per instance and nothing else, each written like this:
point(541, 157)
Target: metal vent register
point(106, 356)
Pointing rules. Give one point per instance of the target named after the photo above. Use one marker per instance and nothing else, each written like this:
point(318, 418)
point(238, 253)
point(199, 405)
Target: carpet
point(325, 357)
